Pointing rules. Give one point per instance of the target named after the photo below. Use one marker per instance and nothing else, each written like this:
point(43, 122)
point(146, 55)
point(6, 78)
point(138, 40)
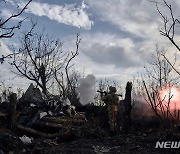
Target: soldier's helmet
point(112, 89)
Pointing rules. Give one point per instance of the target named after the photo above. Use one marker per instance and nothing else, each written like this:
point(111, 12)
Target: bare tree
point(161, 108)
point(161, 77)
point(160, 71)
point(72, 55)
point(170, 26)
point(6, 30)
point(67, 81)
point(170, 22)
point(38, 55)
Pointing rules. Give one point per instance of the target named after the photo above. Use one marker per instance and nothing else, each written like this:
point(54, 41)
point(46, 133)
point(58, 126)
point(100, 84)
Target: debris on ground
point(36, 124)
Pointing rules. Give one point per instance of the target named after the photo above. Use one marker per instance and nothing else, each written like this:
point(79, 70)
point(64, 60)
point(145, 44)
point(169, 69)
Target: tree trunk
point(127, 100)
point(128, 107)
point(12, 109)
point(43, 79)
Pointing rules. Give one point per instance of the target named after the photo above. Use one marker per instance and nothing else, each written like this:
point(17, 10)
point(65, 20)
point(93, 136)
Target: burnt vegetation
point(49, 116)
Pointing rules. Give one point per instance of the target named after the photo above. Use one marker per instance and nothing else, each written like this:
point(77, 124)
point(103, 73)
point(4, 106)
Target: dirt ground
point(89, 141)
point(93, 137)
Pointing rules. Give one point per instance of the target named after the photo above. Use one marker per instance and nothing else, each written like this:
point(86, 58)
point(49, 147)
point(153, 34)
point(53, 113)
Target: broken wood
point(127, 100)
point(39, 133)
point(79, 115)
point(12, 109)
point(128, 107)
point(47, 124)
point(63, 120)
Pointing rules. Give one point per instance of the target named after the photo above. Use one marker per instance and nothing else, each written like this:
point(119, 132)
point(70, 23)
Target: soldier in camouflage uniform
point(111, 101)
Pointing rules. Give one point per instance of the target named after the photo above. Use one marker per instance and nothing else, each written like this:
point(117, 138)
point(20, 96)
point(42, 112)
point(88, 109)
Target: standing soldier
point(112, 101)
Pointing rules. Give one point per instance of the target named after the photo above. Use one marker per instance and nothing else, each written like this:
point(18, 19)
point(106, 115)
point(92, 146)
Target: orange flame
point(172, 95)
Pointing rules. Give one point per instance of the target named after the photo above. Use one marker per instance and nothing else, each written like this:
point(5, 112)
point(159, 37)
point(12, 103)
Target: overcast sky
point(118, 36)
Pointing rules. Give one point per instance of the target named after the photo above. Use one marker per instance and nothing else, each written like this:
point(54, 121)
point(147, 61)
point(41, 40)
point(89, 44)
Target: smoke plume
point(86, 89)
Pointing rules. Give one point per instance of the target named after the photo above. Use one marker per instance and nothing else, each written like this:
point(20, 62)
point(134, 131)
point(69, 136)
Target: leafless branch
point(9, 31)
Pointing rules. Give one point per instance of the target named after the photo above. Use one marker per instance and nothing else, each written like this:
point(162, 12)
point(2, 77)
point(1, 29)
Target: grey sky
point(118, 36)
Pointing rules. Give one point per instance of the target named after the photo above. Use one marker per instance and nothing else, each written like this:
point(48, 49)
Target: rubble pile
point(35, 116)
point(37, 124)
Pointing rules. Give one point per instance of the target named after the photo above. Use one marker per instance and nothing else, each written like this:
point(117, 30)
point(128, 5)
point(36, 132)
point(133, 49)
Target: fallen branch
point(79, 115)
point(47, 124)
point(63, 120)
point(38, 133)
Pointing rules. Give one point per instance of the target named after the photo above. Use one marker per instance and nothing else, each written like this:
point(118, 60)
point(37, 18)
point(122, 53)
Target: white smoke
point(86, 89)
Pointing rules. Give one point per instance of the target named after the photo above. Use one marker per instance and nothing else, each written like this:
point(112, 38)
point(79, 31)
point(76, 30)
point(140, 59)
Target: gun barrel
point(101, 91)
point(104, 92)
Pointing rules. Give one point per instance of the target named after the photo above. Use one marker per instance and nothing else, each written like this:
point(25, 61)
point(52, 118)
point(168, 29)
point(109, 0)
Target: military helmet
point(112, 89)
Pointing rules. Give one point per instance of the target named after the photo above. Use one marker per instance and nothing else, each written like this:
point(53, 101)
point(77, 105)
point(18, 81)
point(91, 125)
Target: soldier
point(112, 101)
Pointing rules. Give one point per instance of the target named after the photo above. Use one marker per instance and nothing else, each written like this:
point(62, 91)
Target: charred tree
point(128, 107)
point(43, 78)
point(127, 100)
point(12, 109)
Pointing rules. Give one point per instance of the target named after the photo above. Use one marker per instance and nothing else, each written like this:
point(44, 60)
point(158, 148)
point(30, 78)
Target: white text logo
point(168, 144)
